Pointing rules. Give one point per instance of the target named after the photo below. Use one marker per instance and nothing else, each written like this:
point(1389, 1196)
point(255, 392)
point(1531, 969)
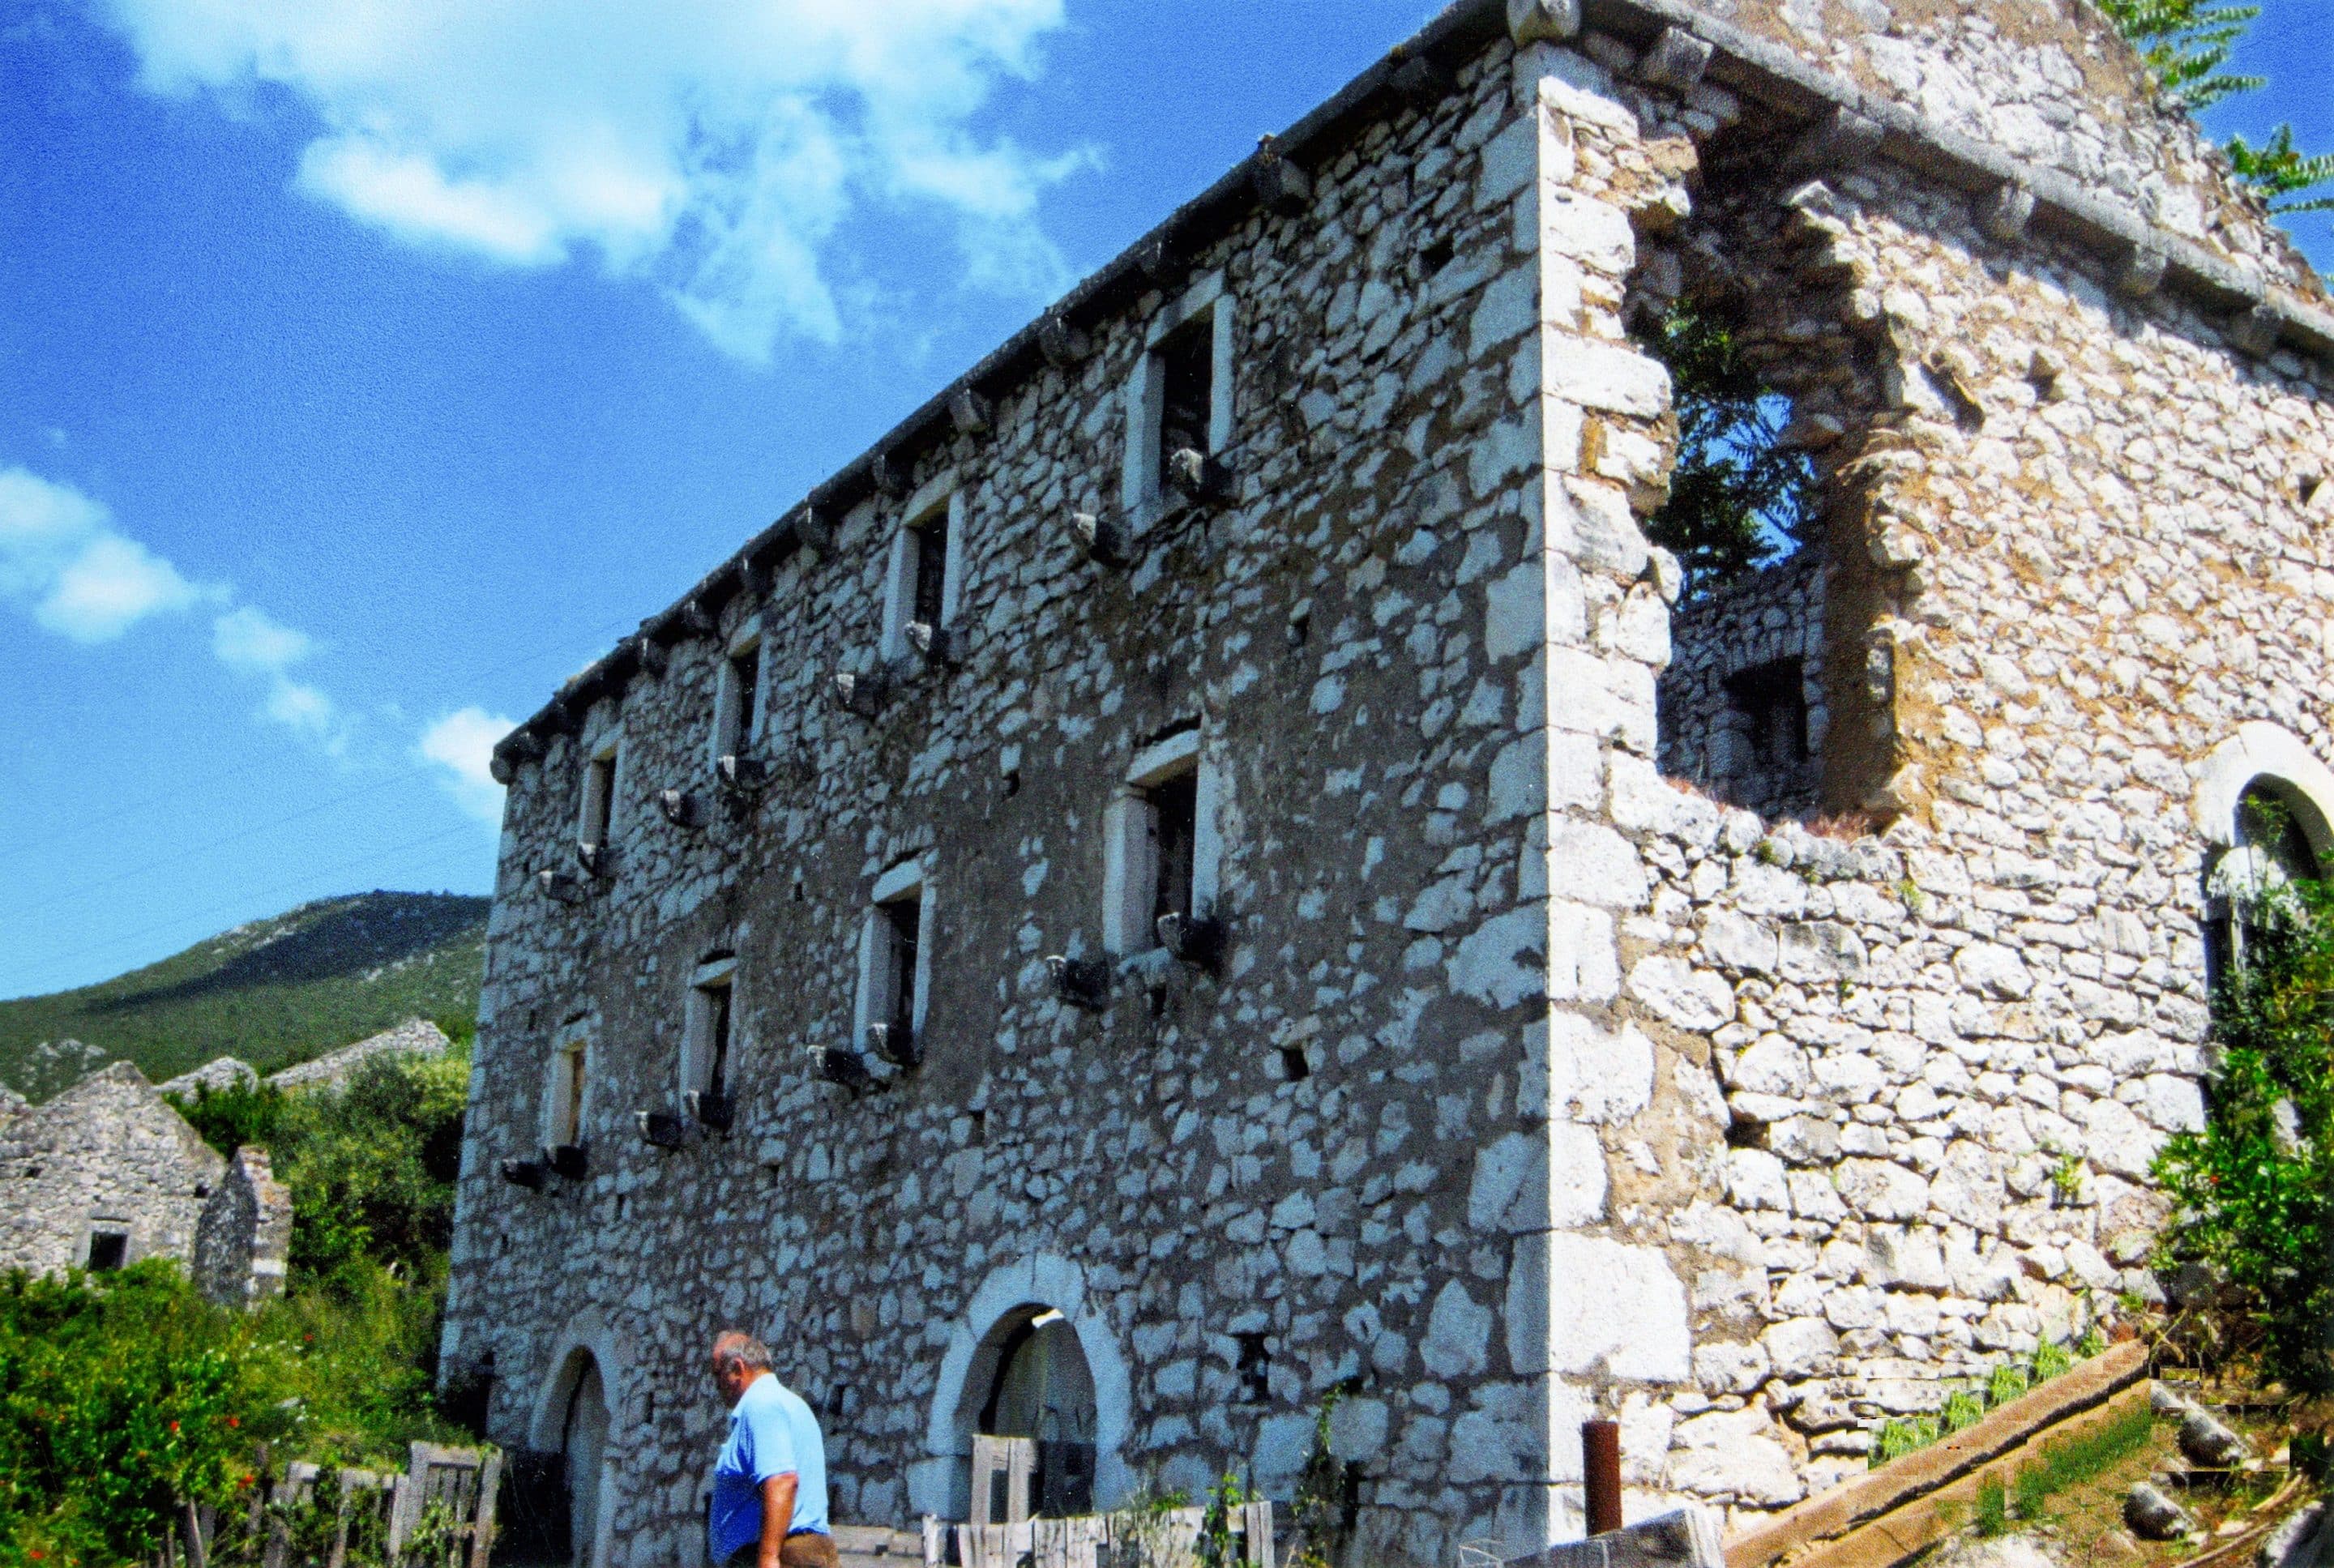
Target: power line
point(60, 961)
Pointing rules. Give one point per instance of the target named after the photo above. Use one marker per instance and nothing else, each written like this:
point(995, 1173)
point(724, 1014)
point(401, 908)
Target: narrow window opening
point(599, 799)
point(108, 1251)
point(1254, 1369)
point(931, 544)
point(903, 923)
point(745, 676)
point(717, 1026)
point(1187, 370)
point(1174, 827)
point(1772, 700)
point(570, 1078)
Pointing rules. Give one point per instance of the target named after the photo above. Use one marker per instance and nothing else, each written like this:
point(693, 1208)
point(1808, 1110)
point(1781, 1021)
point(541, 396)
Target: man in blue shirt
point(769, 1485)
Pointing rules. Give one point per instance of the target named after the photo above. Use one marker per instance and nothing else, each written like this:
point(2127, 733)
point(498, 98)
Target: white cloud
point(463, 744)
point(710, 146)
point(61, 556)
point(250, 640)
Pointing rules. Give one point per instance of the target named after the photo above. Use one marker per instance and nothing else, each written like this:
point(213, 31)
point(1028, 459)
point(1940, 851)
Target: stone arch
point(1006, 1301)
point(2264, 753)
point(587, 1352)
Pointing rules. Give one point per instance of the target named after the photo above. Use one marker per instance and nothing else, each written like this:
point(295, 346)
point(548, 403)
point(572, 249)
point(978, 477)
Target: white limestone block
point(1681, 994)
point(1457, 1334)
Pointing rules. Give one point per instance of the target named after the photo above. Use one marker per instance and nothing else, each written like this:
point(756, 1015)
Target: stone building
point(1177, 881)
point(109, 1173)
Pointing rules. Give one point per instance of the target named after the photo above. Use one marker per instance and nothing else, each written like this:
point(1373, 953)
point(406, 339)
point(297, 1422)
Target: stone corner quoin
point(1217, 863)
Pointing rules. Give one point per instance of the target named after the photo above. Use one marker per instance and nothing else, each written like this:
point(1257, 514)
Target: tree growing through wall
point(2186, 45)
point(1739, 499)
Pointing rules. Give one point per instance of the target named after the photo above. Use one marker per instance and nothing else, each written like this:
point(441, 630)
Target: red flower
point(235, 1421)
point(36, 1553)
point(174, 1429)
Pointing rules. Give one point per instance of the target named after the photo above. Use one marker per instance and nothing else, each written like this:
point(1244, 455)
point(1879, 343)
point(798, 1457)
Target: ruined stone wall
point(1535, 1086)
point(1283, 1153)
point(2051, 85)
point(1708, 733)
point(243, 1240)
point(108, 1154)
point(1934, 1066)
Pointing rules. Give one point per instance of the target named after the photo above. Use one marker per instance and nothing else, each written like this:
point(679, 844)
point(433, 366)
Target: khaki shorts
point(803, 1549)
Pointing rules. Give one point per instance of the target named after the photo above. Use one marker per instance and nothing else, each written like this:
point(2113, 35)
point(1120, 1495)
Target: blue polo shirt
point(771, 1433)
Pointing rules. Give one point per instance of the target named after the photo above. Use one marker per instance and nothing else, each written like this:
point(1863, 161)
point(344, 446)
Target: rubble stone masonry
point(1532, 1083)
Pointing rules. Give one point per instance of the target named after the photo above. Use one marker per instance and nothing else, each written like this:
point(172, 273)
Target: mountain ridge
point(274, 991)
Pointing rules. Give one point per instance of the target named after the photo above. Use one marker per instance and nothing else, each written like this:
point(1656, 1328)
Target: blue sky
point(349, 403)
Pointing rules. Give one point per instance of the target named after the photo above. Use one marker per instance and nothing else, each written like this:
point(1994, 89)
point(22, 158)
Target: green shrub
point(2007, 1383)
point(1965, 1407)
point(2253, 1190)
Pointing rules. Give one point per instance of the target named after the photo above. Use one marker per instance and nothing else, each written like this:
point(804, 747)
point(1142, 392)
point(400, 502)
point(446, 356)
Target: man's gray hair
point(735, 1347)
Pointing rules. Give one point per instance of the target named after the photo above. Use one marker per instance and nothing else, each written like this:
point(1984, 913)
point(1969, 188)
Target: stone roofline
point(1680, 47)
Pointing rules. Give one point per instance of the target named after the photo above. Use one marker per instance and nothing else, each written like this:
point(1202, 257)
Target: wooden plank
point(1921, 1523)
point(482, 1527)
point(1255, 1519)
point(1835, 1512)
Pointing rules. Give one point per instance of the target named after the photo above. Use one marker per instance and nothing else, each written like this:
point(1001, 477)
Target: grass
point(274, 991)
point(2072, 1461)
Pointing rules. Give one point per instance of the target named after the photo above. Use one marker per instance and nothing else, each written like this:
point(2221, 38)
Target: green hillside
point(274, 991)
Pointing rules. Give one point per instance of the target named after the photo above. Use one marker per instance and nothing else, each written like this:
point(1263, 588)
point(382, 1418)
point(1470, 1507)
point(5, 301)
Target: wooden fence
point(439, 1513)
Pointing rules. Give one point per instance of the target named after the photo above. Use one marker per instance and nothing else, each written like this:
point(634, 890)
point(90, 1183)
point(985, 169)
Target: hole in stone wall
point(107, 1250)
point(1435, 257)
point(1294, 1067)
point(1254, 1369)
point(1744, 1133)
point(1012, 782)
point(1781, 384)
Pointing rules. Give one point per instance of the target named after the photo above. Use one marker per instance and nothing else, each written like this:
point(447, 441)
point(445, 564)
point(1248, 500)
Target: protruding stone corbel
point(1281, 185)
point(572, 1160)
point(889, 477)
point(859, 692)
point(525, 1173)
point(1543, 20)
point(2256, 332)
point(680, 808)
point(941, 645)
point(1195, 476)
point(812, 531)
point(1418, 78)
point(2139, 273)
point(1676, 60)
point(560, 887)
point(717, 1112)
point(695, 619)
point(1100, 539)
point(972, 414)
point(1161, 260)
point(1083, 983)
point(1841, 138)
point(502, 768)
point(1193, 939)
point(899, 1047)
point(741, 774)
point(1062, 344)
point(847, 1069)
point(598, 861)
point(661, 1129)
point(2003, 213)
point(655, 657)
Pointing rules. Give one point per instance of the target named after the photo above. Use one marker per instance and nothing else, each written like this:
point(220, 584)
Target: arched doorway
point(583, 1445)
point(1042, 1390)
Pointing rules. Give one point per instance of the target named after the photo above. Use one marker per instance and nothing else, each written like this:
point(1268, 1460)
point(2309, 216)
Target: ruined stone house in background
point(109, 1174)
point(1207, 866)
